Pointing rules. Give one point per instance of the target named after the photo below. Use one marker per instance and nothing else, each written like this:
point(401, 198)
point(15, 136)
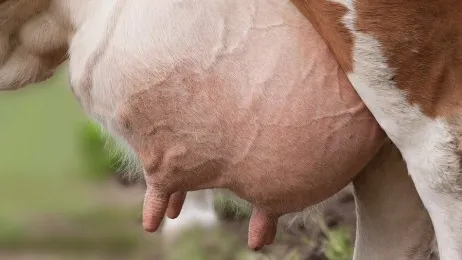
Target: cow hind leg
point(392, 222)
point(435, 167)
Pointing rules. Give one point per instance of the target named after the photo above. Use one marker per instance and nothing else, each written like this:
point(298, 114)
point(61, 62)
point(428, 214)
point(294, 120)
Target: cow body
point(236, 94)
point(405, 61)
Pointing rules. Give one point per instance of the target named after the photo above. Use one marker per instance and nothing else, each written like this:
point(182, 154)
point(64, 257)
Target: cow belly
point(236, 94)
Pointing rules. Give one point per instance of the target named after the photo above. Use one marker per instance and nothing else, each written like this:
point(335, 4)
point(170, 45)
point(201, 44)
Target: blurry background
point(61, 197)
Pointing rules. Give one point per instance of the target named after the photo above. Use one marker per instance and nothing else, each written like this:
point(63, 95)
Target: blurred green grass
point(40, 163)
point(47, 201)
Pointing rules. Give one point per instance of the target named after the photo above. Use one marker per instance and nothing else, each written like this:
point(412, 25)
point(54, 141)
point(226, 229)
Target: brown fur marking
point(423, 45)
